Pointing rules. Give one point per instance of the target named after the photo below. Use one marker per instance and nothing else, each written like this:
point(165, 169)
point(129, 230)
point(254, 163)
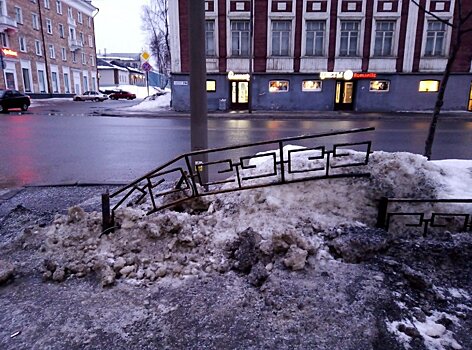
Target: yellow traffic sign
point(145, 55)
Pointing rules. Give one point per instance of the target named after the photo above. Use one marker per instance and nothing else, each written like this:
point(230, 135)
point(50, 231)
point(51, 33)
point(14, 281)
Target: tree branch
point(422, 8)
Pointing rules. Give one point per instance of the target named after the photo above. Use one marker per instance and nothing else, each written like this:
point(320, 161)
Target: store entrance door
point(344, 99)
point(239, 95)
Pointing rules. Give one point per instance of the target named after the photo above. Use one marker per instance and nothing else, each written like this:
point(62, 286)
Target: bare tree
point(156, 24)
point(459, 23)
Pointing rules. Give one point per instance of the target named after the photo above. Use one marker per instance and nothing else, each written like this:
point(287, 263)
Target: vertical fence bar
point(282, 165)
point(382, 214)
point(106, 217)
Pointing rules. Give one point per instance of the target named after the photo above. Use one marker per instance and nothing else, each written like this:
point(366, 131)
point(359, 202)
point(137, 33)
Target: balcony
point(75, 44)
point(71, 21)
point(8, 24)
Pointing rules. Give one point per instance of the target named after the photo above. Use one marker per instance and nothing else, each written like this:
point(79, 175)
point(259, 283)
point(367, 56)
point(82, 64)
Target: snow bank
point(153, 103)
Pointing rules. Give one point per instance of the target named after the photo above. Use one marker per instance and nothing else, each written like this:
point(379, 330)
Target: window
point(66, 83)
point(61, 30)
point(90, 41)
point(81, 38)
point(55, 85)
point(84, 58)
point(59, 7)
point(311, 85)
point(52, 52)
point(86, 87)
point(72, 35)
point(90, 22)
point(79, 17)
point(349, 38)
point(469, 106)
point(240, 37)
point(379, 86)
point(210, 38)
point(10, 80)
point(384, 31)
point(315, 32)
point(47, 4)
point(22, 42)
point(3, 39)
point(211, 85)
point(26, 79)
point(278, 86)
point(42, 82)
point(69, 13)
point(435, 39)
point(18, 15)
point(92, 63)
point(48, 26)
point(74, 57)
point(37, 47)
point(35, 21)
point(64, 54)
point(429, 86)
point(281, 34)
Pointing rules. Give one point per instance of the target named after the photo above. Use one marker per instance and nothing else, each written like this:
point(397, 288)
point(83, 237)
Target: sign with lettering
point(234, 76)
point(368, 75)
point(180, 82)
point(347, 75)
point(9, 52)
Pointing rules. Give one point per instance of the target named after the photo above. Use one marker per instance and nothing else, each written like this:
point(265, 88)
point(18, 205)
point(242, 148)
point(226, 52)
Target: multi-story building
point(363, 55)
point(48, 46)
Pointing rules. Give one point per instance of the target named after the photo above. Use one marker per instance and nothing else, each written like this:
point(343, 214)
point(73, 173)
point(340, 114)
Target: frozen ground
point(298, 266)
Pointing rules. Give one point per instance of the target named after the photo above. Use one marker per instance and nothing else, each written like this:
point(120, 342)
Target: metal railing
point(325, 163)
point(425, 218)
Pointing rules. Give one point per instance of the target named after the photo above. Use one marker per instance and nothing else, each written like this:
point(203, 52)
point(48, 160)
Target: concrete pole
point(198, 97)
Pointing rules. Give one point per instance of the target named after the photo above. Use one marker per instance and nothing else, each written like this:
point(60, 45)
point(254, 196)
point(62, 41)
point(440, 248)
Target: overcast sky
point(118, 26)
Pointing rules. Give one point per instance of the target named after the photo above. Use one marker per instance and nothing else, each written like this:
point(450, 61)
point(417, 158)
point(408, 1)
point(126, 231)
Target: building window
point(48, 26)
point(211, 85)
point(61, 30)
point(311, 85)
point(384, 31)
point(90, 22)
point(74, 57)
point(281, 35)
point(240, 37)
point(79, 17)
point(10, 80)
point(59, 7)
point(469, 106)
point(26, 79)
point(86, 87)
point(3, 39)
point(35, 21)
point(66, 83)
point(22, 42)
point(84, 58)
point(379, 86)
point(429, 86)
point(37, 47)
point(349, 38)
point(52, 52)
point(435, 39)
point(64, 54)
point(81, 38)
point(315, 33)
point(18, 15)
point(210, 38)
point(55, 85)
point(47, 4)
point(92, 63)
point(42, 82)
point(278, 86)
point(90, 41)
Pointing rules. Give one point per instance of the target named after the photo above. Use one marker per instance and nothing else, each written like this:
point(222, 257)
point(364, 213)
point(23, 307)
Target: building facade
point(48, 46)
point(362, 55)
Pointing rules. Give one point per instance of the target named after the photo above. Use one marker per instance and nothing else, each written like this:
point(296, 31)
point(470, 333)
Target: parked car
point(116, 95)
point(90, 96)
point(13, 99)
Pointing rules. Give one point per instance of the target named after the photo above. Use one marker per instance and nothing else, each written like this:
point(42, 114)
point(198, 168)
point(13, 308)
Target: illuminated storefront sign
point(235, 76)
point(365, 75)
point(347, 75)
point(9, 53)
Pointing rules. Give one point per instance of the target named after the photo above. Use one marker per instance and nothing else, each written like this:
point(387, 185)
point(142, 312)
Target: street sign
point(145, 56)
point(146, 66)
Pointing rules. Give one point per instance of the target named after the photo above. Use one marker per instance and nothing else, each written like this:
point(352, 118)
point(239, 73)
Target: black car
point(13, 99)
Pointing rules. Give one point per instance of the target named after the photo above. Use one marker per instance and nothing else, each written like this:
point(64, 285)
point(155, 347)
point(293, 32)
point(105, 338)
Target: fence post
point(382, 214)
point(106, 217)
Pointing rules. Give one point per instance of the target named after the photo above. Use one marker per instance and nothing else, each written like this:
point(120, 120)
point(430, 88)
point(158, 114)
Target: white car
point(91, 96)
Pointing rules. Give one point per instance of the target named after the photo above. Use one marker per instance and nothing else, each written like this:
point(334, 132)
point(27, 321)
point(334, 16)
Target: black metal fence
point(236, 172)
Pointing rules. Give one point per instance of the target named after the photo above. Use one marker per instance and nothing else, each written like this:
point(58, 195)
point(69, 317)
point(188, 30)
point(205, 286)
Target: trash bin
point(222, 105)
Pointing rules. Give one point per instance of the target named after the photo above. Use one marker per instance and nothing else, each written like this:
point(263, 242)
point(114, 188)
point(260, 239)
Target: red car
point(122, 94)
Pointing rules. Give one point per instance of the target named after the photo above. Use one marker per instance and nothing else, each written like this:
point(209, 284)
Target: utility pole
point(198, 97)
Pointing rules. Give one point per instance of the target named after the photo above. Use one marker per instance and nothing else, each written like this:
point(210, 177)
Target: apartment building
point(48, 46)
point(362, 55)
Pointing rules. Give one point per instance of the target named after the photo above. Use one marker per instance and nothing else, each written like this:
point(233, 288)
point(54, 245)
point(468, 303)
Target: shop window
point(469, 107)
point(211, 85)
point(278, 86)
point(379, 86)
point(311, 85)
point(429, 86)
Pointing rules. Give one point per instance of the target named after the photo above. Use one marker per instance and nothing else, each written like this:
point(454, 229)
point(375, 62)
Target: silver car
point(91, 96)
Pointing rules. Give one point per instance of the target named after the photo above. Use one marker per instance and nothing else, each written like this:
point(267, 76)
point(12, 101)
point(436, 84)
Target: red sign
point(9, 53)
point(365, 75)
point(146, 66)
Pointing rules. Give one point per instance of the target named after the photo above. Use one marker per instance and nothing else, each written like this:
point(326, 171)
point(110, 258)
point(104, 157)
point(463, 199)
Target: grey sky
point(118, 26)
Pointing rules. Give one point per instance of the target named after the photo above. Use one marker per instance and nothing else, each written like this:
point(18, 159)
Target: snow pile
point(155, 102)
point(139, 91)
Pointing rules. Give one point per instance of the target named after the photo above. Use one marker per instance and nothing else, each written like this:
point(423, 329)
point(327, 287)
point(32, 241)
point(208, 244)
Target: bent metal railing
point(192, 183)
point(428, 214)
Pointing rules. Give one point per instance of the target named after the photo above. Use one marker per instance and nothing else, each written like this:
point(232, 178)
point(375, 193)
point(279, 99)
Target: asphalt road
point(69, 142)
